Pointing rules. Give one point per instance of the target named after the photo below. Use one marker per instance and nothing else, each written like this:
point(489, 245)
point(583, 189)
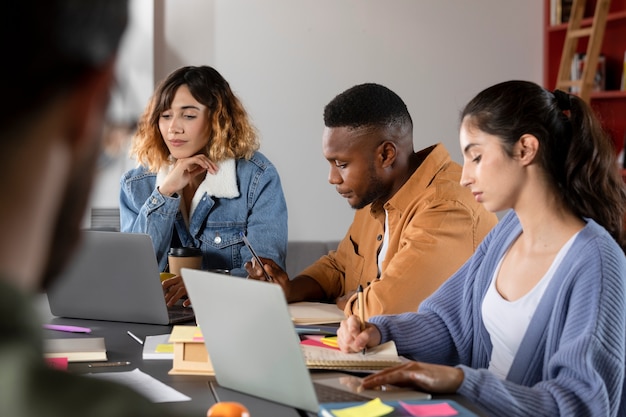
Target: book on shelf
point(89, 349)
point(378, 407)
point(623, 87)
point(158, 347)
point(599, 79)
point(379, 357)
point(560, 11)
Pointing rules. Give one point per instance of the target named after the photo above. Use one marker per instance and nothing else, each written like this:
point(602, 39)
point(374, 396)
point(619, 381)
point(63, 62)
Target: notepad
point(308, 312)
point(379, 357)
point(158, 347)
point(90, 349)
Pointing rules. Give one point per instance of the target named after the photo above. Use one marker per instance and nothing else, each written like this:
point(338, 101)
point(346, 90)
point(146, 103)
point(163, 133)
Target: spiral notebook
point(380, 357)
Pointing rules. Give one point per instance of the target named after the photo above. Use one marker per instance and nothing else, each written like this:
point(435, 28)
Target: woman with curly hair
point(201, 181)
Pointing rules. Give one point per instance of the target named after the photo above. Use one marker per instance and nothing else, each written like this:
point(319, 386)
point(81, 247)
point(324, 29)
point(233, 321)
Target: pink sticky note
point(57, 363)
point(430, 410)
point(312, 342)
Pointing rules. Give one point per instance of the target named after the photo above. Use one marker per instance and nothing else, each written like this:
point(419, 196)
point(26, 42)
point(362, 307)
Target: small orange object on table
point(228, 409)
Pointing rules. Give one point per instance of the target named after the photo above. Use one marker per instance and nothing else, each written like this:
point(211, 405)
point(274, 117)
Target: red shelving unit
point(610, 105)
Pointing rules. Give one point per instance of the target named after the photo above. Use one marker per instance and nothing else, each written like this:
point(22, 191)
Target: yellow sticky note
point(374, 408)
point(330, 341)
point(165, 348)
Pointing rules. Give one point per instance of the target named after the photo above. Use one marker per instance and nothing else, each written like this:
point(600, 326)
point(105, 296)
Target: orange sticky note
point(430, 410)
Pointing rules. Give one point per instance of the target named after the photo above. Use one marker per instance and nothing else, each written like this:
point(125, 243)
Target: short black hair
point(366, 105)
point(51, 44)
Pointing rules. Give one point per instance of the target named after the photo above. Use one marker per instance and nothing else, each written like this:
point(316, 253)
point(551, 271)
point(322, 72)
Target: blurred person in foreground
point(62, 55)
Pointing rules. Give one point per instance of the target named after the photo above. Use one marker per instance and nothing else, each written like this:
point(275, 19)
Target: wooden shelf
point(609, 94)
point(609, 105)
point(612, 17)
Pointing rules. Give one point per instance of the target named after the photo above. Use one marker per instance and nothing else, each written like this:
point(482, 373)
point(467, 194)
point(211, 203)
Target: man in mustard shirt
point(414, 225)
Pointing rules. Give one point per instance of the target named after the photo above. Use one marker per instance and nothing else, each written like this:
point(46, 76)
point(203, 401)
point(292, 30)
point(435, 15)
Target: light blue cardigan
point(570, 361)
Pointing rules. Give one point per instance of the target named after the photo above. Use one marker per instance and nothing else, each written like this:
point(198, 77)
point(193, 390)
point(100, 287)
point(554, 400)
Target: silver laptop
point(114, 276)
point(254, 347)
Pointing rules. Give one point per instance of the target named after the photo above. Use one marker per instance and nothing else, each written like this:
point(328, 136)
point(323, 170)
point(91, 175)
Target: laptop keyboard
point(326, 394)
point(179, 313)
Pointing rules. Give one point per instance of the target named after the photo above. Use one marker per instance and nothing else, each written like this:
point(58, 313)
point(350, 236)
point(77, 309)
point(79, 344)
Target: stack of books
point(599, 80)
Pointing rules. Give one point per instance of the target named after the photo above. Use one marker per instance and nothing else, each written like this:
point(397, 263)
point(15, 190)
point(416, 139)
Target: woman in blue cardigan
point(535, 322)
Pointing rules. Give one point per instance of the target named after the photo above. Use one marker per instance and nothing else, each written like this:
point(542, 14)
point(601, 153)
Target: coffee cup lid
point(188, 251)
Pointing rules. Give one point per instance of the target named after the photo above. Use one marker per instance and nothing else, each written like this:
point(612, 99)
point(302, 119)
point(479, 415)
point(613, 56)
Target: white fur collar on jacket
point(221, 185)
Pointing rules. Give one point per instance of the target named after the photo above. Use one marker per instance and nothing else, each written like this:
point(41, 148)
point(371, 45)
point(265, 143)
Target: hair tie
point(563, 100)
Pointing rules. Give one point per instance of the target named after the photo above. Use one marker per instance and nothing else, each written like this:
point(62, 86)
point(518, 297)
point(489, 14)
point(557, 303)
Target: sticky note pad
point(165, 348)
point(374, 408)
point(430, 410)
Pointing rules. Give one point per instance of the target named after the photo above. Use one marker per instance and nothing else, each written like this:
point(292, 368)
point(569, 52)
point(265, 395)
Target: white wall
point(286, 59)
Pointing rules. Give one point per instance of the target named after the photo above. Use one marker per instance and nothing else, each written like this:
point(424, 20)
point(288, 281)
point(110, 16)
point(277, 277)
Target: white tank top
point(507, 321)
point(383, 249)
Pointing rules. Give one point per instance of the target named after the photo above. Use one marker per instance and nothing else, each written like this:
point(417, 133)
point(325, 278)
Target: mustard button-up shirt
point(435, 225)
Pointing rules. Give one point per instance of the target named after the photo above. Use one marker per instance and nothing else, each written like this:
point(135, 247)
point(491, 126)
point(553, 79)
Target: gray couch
point(302, 253)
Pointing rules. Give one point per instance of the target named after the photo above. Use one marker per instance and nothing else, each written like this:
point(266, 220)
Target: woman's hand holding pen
point(424, 376)
point(184, 171)
point(351, 338)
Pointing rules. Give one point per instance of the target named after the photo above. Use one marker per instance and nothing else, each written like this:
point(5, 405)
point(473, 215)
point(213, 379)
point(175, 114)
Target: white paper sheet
point(155, 390)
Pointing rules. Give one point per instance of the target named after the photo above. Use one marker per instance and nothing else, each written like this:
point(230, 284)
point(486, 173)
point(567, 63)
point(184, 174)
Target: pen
point(359, 299)
point(106, 364)
point(63, 328)
point(255, 256)
point(138, 340)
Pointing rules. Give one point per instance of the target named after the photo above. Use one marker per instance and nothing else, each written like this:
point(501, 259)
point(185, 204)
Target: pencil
point(138, 340)
point(359, 299)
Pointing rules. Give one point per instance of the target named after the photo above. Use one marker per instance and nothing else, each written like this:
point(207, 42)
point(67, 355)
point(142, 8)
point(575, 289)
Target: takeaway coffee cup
point(184, 258)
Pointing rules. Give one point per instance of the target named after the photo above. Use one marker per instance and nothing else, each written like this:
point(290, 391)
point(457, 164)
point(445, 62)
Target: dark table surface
point(204, 391)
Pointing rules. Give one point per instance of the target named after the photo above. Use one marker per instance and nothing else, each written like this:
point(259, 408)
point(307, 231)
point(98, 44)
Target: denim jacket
point(259, 210)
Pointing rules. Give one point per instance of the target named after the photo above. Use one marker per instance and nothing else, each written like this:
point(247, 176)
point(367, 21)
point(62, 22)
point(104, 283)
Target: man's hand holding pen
point(256, 271)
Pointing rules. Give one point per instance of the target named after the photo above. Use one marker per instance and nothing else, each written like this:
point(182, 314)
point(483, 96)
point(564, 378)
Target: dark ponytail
point(577, 154)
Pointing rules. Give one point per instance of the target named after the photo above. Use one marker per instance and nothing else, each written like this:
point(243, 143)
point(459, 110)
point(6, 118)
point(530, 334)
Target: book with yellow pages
point(85, 349)
point(308, 312)
point(328, 357)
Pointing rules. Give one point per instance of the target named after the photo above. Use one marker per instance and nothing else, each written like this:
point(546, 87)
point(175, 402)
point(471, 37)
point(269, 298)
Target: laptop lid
point(113, 276)
point(253, 344)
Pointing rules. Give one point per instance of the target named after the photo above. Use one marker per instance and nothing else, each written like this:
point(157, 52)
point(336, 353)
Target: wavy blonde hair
point(232, 135)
